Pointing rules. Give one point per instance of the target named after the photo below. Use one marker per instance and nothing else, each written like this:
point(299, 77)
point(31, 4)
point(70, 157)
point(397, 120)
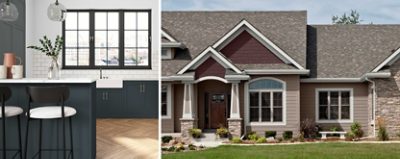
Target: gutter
point(277, 71)
point(373, 103)
point(173, 45)
point(347, 80)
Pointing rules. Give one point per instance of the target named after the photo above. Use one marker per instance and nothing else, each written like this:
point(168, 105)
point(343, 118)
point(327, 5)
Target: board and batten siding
point(292, 108)
point(361, 104)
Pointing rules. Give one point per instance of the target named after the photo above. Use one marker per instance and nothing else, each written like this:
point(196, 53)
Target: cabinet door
point(150, 90)
point(110, 103)
point(133, 99)
point(101, 103)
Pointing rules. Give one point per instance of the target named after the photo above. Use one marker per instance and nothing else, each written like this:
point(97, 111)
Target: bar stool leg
point(3, 119)
point(40, 138)
point(19, 136)
point(64, 143)
point(70, 133)
point(26, 138)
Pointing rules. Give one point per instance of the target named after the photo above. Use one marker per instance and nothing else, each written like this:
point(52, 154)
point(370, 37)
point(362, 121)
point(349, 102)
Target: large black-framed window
point(108, 39)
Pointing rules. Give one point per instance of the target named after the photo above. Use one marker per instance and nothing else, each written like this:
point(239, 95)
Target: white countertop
point(44, 80)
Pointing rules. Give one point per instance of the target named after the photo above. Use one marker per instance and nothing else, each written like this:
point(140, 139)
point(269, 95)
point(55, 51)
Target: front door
point(217, 103)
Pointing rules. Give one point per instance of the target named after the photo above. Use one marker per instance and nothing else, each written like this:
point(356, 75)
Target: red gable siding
point(245, 49)
point(210, 67)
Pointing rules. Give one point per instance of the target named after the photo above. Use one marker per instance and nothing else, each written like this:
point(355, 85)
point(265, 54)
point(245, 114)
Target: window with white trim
point(334, 105)
point(266, 101)
point(166, 100)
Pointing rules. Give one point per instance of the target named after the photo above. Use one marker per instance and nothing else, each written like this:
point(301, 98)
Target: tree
point(353, 18)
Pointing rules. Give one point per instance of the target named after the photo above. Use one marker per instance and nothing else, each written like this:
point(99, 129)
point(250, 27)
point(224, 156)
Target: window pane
point(345, 112)
point(278, 114)
point(143, 57)
point(164, 109)
point(83, 38)
point(71, 57)
point(100, 57)
point(100, 20)
point(334, 98)
point(113, 39)
point(164, 102)
point(83, 20)
point(334, 112)
point(130, 57)
point(266, 84)
point(71, 39)
point(113, 21)
point(323, 98)
point(113, 57)
point(254, 114)
point(277, 99)
point(345, 97)
point(143, 20)
point(266, 114)
point(101, 37)
point(266, 99)
point(130, 20)
point(254, 99)
point(130, 38)
point(71, 21)
point(323, 112)
point(83, 57)
point(143, 38)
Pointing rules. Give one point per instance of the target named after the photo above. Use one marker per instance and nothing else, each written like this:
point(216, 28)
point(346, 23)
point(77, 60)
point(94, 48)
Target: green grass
point(300, 151)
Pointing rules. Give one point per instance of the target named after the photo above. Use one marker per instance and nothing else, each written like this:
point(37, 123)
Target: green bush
point(191, 147)
point(356, 130)
point(350, 136)
point(236, 140)
point(261, 140)
point(172, 148)
point(195, 133)
point(270, 134)
point(252, 136)
point(382, 133)
point(222, 132)
point(287, 135)
point(166, 139)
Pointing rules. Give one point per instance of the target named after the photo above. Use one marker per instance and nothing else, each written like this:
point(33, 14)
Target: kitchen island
point(82, 98)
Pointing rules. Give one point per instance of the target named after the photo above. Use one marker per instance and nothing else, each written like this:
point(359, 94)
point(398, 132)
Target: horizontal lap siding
point(292, 108)
point(210, 68)
point(360, 99)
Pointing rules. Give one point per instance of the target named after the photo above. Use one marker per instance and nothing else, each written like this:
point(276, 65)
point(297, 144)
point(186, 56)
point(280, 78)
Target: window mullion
point(271, 106)
point(92, 38)
point(259, 106)
point(329, 105)
point(340, 106)
point(121, 39)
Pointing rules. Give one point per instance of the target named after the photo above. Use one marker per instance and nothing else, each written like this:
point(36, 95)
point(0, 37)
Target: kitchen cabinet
point(137, 99)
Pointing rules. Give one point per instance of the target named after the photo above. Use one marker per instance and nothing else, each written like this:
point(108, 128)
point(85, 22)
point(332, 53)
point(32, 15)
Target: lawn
point(299, 151)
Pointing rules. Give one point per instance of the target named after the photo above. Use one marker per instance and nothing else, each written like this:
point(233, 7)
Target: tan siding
point(360, 98)
point(292, 107)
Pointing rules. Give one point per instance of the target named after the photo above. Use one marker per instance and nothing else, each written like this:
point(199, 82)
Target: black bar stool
point(7, 112)
point(46, 95)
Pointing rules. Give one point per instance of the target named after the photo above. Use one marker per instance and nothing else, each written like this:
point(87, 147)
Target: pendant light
point(8, 11)
point(57, 12)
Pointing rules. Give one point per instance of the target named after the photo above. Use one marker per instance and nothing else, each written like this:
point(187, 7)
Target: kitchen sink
point(109, 83)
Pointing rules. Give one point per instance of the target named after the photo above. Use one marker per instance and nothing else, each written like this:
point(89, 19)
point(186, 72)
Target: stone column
point(187, 120)
point(235, 121)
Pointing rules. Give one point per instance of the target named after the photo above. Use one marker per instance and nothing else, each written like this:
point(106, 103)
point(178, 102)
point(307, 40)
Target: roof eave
point(276, 71)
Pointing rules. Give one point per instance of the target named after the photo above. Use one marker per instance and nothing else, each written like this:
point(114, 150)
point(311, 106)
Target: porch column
point(187, 120)
point(235, 121)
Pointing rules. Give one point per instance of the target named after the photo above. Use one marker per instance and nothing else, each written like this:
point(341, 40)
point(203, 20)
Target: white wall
point(38, 25)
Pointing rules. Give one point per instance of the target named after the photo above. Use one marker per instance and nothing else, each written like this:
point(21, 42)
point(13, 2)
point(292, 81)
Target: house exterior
point(259, 71)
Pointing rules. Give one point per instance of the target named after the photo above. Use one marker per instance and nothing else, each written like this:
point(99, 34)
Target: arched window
point(266, 100)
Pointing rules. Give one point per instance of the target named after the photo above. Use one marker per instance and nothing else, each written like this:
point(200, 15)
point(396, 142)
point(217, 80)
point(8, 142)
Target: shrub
point(222, 132)
point(334, 129)
point(172, 148)
point(192, 147)
point(382, 133)
point(309, 129)
point(252, 136)
point(270, 134)
point(166, 139)
point(279, 139)
point(261, 140)
point(356, 130)
point(301, 137)
point(287, 135)
point(179, 147)
point(236, 140)
point(195, 133)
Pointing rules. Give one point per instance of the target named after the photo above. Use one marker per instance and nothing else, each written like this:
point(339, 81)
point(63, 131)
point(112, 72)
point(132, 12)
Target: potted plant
point(222, 132)
point(53, 51)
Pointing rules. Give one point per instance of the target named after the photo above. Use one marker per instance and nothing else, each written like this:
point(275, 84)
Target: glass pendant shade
point(8, 11)
point(57, 12)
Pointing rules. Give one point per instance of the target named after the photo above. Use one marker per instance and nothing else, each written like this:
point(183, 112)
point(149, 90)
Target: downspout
point(373, 103)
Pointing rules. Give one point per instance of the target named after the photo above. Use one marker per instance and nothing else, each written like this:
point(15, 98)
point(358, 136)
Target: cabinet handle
point(106, 95)
point(141, 88)
point(144, 88)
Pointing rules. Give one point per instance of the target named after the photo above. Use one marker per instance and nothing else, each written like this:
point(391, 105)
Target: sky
point(318, 11)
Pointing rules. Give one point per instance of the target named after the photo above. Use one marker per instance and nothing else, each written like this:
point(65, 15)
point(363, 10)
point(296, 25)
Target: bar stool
point(9, 111)
point(46, 95)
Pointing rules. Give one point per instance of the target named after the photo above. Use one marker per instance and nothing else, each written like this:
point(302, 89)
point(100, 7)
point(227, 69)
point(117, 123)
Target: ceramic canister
point(9, 61)
point(17, 71)
point(3, 72)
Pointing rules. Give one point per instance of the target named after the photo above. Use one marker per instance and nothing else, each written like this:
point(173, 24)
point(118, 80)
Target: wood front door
point(217, 103)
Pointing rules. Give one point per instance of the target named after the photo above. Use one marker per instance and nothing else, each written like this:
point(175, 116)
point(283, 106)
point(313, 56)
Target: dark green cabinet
point(137, 99)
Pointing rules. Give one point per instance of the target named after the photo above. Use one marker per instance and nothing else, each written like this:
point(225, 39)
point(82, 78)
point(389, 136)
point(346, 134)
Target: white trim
point(388, 61)
point(204, 55)
point(169, 101)
point(236, 77)
point(317, 90)
point(330, 80)
point(246, 103)
point(166, 35)
point(377, 75)
point(269, 44)
point(277, 71)
point(211, 78)
point(172, 45)
point(178, 78)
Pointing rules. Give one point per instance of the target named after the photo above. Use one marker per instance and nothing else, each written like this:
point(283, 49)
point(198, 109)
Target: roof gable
point(388, 61)
point(209, 53)
point(246, 26)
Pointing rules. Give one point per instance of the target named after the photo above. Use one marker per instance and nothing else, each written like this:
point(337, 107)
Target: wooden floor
point(127, 139)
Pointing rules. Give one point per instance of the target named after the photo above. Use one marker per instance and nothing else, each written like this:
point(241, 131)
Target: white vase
point(54, 72)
